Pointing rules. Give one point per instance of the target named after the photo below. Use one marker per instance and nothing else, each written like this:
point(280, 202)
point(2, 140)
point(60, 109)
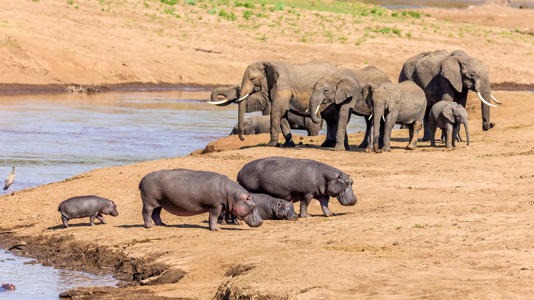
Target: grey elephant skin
point(186, 192)
point(262, 124)
point(289, 87)
point(86, 206)
point(260, 102)
point(448, 116)
point(401, 103)
point(295, 179)
point(448, 76)
point(339, 95)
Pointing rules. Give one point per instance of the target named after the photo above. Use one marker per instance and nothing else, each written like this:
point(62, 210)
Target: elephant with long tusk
point(448, 76)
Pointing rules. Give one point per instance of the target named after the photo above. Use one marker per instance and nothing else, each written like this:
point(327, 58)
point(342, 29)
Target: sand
point(429, 223)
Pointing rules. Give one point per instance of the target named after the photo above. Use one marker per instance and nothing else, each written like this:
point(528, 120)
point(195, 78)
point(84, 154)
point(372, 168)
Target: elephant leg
point(367, 138)
point(388, 127)
point(426, 136)
point(331, 131)
point(414, 132)
point(341, 133)
point(286, 131)
point(448, 139)
point(433, 128)
point(455, 133)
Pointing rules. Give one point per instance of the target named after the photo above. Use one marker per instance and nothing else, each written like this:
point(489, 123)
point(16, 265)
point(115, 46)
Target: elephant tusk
point(383, 119)
point(484, 101)
point(317, 110)
point(242, 98)
point(370, 117)
point(219, 102)
point(495, 100)
point(307, 110)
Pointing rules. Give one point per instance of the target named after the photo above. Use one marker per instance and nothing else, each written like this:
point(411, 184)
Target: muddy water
point(53, 137)
point(35, 281)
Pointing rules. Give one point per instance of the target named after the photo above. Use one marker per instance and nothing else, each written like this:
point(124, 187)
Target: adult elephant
point(260, 101)
point(289, 87)
point(448, 76)
point(341, 94)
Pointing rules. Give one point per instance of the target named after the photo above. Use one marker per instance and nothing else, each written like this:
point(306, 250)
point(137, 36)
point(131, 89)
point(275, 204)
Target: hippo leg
point(101, 218)
point(214, 216)
point(156, 216)
point(92, 219)
point(304, 206)
point(147, 213)
point(65, 221)
point(324, 207)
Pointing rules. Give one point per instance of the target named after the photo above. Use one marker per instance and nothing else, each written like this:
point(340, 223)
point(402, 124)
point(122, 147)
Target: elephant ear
point(345, 89)
point(448, 113)
point(450, 69)
point(271, 77)
point(367, 93)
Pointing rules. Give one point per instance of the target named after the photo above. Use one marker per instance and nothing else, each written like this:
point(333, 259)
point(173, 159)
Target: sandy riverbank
point(429, 223)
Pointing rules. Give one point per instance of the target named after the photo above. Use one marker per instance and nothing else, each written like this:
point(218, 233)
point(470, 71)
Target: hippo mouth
point(253, 219)
point(347, 198)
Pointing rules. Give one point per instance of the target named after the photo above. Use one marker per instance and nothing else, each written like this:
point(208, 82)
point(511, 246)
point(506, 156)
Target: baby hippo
point(448, 116)
point(269, 208)
point(188, 192)
point(295, 179)
point(86, 206)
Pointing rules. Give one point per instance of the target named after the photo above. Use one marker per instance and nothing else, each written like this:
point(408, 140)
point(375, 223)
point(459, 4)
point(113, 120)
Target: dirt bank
point(108, 42)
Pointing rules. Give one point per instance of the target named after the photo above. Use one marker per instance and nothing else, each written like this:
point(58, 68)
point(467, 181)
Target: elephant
point(289, 87)
point(260, 102)
point(262, 124)
point(338, 95)
point(449, 76)
point(447, 116)
point(400, 103)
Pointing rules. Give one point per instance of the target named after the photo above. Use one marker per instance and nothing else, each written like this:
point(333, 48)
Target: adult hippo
point(188, 192)
point(295, 179)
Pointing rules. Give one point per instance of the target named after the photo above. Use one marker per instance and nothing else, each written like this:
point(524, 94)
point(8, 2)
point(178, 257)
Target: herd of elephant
point(432, 92)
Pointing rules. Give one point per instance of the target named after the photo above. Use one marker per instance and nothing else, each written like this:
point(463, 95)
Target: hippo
point(87, 206)
point(186, 192)
point(7, 287)
point(269, 208)
point(295, 179)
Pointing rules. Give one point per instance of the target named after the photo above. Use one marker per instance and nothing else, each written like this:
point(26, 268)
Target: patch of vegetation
point(230, 16)
point(244, 4)
point(247, 14)
point(384, 30)
point(169, 2)
point(407, 13)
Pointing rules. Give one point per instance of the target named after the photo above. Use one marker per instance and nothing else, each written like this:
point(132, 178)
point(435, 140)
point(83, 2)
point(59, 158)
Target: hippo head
point(284, 210)
point(341, 188)
point(110, 209)
point(244, 207)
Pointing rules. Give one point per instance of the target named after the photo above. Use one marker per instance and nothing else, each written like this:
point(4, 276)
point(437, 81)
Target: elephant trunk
point(484, 93)
point(314, 108)
point(376, 131)
point(241, 119)
point(466, 129)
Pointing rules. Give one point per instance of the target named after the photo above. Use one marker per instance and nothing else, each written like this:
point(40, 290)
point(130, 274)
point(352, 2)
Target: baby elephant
point(255, 125)
point(400, 103)
point(448, 116)
point(295, 179)
point(86, 206)
point(188, 192)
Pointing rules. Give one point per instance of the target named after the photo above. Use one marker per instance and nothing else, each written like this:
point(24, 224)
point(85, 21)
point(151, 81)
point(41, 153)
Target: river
point(52, 137)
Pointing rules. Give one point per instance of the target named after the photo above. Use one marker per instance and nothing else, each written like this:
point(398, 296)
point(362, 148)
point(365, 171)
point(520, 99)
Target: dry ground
point(429, 223)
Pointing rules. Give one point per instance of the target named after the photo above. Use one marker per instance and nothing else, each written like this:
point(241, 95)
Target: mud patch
point(111, 293)
point(64, 252)
point(239, 269)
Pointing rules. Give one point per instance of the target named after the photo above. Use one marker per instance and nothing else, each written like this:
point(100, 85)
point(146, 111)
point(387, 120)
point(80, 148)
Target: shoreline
point(10, 89)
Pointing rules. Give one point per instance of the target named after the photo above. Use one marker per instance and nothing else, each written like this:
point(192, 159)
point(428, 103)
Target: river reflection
point(53, 137)
point(43, 282)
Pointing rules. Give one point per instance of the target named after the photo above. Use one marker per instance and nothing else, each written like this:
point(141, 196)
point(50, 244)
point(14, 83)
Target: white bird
point(10, 179)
